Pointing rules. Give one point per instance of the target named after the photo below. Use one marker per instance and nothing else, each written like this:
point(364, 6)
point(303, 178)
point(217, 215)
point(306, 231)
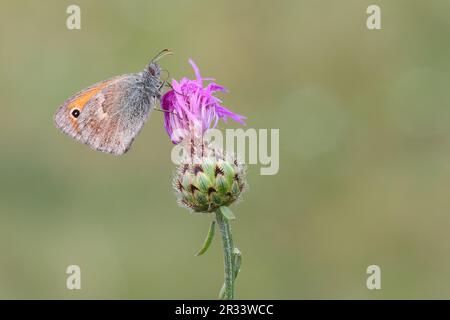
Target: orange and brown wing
point(66, 118)
point(84, 113)
point(106, 116)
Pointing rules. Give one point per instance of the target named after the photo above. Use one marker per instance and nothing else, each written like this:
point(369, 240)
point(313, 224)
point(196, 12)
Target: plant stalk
point(228, 254)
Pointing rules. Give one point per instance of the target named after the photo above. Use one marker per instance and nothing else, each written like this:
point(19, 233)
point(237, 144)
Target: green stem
point(228, 255)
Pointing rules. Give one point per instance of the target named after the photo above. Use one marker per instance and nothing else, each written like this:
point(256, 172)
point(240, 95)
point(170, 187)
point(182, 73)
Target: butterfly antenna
point(166, 111)
point(167, 73)
point(161, 54)
point(164, 81)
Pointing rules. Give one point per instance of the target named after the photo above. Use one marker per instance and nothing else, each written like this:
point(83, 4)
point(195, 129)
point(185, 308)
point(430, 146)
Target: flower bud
point(209, 182)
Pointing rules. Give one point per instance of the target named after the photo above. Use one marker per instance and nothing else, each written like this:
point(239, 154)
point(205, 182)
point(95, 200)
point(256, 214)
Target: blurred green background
point(364, 119)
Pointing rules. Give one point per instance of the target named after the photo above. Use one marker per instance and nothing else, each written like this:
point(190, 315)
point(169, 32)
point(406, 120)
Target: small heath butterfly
point(108, 115)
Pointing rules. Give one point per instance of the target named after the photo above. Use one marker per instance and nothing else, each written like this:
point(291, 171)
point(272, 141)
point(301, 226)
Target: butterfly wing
point(108, 115)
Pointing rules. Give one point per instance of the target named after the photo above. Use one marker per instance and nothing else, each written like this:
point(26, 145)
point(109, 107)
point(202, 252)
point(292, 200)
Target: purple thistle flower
point(192, 108)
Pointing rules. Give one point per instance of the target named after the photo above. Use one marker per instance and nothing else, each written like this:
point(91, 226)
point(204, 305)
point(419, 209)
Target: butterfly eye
point(152, 71)
point(75, 113)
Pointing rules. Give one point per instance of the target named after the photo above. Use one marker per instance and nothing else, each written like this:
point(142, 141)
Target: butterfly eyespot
point(75, 112)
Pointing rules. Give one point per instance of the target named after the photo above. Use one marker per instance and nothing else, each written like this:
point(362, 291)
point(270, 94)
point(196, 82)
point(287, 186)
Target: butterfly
point(108, 115)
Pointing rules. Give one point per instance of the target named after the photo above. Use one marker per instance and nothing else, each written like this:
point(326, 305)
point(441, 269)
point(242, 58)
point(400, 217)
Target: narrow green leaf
point(209, 239)
point(222, 293)
point(237, 262)
point(227, 213)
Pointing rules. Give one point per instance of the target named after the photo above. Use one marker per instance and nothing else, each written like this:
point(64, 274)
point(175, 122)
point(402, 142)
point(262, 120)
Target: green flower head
point(209, 182)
